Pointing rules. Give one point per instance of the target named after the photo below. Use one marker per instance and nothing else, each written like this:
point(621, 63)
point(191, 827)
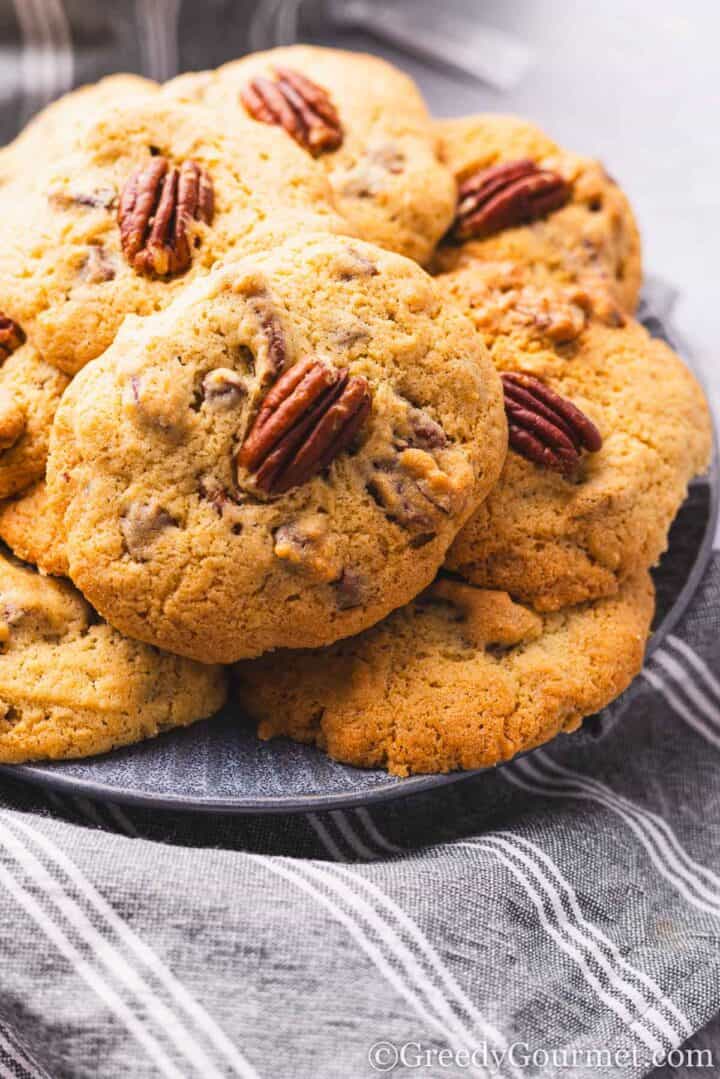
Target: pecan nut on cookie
point(279, 458)
point(460, 678)
point(70, 686)
point(523, 198)
point(606, 429)
point(361, 118)
point(147, 196)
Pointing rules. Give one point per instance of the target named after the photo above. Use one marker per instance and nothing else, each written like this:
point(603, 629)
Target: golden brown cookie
point(148, 197)
point(460, 678)
point(364, 121)
point(280, 457)
point(71, 687)
point(553, 535)
point(522, 198)
point(31, 531)
point(30, 391)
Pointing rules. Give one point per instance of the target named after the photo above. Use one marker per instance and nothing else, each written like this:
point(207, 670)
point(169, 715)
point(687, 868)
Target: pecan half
point(300, 106)
point(514, 193)
point(545, 427)
point(309, 416)
point(158, 206)
point(11, 337)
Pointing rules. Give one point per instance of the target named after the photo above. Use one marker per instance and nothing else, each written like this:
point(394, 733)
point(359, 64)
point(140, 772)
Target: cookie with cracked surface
point(70, 686)
point(554, 536)
point(363, 119)
point(30, 391)
point(461, 678)
point(523, 198)
point(281, 457)
point(30, 530)
point(149, 196)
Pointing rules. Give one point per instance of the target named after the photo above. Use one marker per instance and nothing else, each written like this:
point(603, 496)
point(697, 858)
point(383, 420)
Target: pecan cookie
point(70, 686)
point(149, 196)
point(280, 457)
point(460, 678)
point(523, 198)
point(30, 391)
point(361, 118)
point(30, 530)
point(607, 427)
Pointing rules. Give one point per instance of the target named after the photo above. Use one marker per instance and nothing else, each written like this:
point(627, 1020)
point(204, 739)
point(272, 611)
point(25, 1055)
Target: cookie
point(523, 198)
point(551, 538)
point(151, 195)
point(71, 687)
point(365, 122)
point(281, 457)
point(30, 530)
point(30, 390)
point(461, 678)
point(52, 131)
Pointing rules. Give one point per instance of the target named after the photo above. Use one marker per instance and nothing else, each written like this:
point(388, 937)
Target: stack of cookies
point(299, 382)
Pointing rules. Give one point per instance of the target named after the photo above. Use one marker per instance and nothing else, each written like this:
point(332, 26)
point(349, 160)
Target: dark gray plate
point(220, 766)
